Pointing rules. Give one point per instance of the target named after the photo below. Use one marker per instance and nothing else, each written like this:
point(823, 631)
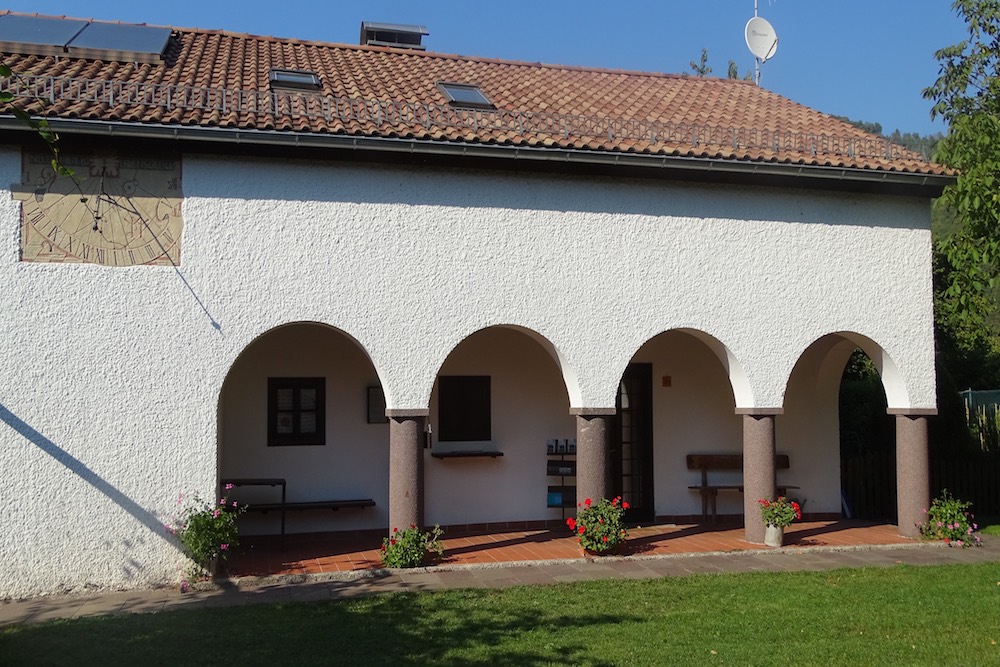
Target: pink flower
point(215, 514)
point(228, 487)
point(224, 547)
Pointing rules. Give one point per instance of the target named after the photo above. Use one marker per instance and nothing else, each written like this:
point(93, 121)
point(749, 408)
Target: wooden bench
point(284, 506)
point(731, 462)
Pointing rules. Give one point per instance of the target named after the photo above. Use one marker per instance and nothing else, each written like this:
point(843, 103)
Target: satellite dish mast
point(761, 40)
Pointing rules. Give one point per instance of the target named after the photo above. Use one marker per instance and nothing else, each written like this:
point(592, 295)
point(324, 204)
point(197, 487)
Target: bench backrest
point(728, 461)
point(706, 462)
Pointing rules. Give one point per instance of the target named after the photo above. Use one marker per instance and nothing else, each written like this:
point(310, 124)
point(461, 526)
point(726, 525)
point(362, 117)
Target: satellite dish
point(761, 39)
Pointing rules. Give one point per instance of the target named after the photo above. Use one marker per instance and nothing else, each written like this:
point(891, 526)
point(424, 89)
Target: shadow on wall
point(144, 516)
point(481, 190)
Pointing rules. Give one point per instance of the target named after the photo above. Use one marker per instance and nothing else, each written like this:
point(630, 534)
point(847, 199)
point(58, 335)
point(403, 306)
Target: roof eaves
point(926, 184)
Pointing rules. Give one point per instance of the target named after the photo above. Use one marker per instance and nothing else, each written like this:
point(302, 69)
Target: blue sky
point(867, 59)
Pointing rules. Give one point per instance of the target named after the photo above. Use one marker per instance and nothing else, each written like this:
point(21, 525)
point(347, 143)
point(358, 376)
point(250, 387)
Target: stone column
point(912, 469)
point(758, 467)
point(406, 468)
point(593, 433)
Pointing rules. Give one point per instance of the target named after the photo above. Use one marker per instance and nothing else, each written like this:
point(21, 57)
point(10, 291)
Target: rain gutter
point(929, 185)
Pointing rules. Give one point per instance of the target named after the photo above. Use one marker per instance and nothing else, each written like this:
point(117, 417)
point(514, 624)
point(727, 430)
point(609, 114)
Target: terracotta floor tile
point(326, 552)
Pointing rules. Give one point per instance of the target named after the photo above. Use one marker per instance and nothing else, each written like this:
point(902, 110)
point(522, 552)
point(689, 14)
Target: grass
point(935, 615)
point(989, 525)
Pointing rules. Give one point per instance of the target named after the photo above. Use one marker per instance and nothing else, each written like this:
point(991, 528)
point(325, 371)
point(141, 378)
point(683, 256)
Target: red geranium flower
point(571, 522)
point(587, 502)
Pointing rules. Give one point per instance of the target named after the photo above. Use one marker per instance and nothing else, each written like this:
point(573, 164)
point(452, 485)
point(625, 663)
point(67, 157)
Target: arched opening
point(303, 403)
point(835, 429)
point(675, 398)
point(867, 442)
point(498, 399)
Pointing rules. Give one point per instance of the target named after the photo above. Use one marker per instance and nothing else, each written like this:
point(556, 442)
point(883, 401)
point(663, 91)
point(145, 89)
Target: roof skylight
point(465, 95)
point(294, 78)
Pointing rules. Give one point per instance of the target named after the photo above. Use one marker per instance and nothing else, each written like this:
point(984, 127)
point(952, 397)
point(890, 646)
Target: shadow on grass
point(451, 628)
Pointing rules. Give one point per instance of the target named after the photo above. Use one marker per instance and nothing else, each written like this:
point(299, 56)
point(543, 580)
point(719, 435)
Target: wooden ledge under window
point(467, 453)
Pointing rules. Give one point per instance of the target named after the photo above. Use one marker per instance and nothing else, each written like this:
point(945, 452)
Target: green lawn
point(941, 615)
point(989, 525)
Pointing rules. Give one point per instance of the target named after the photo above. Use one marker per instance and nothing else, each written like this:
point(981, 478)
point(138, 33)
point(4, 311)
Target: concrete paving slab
point(311, 587)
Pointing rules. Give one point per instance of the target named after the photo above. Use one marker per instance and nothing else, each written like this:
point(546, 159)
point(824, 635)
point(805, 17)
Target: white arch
point(569, 376)
point(333, 329)
point(896, 393)
point(738, 379)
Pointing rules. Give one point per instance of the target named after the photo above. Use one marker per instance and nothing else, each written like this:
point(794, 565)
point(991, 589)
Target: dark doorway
point(867, 443)
point(632, 443)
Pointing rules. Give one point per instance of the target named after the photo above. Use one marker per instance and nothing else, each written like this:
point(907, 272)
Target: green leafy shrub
point(207, 530)
point(599, 526)
point(949, 519)
point(411, 547)
point(781, 512)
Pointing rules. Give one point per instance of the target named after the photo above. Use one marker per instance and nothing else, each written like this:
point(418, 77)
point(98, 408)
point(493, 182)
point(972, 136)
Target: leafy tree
point(734, 73)
point(967, 95)
point(701, 67)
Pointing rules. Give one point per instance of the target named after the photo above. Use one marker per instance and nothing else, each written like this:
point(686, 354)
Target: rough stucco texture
point(112, 377)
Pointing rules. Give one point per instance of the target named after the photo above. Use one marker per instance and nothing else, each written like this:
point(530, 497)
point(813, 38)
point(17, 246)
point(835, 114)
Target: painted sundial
point(115, 209)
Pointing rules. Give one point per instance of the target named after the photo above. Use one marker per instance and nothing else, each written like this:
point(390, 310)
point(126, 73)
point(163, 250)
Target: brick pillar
point(758, 468)
point(593, 433)
point(912, 472)
point(406, 468)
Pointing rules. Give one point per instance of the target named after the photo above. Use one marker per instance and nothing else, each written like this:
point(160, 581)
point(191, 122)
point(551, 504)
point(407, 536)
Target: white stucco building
point(256, 251)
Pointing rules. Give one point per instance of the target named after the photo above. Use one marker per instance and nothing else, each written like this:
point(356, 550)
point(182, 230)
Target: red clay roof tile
point(212, 78)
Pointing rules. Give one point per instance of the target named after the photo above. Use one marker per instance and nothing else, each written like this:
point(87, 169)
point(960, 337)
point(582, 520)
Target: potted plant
point(778, 515)
point(208, 531)
point(411, 547)
point(599, 526)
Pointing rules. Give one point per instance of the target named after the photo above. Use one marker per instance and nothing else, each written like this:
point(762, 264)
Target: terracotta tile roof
point(216, 79)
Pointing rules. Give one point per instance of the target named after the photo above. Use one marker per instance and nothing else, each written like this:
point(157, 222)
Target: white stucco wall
point(112, 377)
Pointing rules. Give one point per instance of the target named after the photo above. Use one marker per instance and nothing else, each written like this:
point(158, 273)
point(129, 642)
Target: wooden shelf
point(467, 454)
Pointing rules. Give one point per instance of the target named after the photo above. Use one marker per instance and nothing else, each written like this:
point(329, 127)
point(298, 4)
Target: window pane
point(286, 423)
point(307, 399)
point(286, 399)
point(307, 422)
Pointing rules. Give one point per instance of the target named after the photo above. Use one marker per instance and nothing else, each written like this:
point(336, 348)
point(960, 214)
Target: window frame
point(453, 101)
point(465, 409)
point(298, 80)
point(297, 438)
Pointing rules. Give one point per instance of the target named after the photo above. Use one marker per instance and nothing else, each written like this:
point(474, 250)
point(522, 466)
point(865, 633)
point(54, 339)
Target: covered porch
point(319, 553)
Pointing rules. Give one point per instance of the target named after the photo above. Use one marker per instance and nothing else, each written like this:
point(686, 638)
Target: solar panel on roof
point(138, 43)
point(36, 35)
point(81, 39)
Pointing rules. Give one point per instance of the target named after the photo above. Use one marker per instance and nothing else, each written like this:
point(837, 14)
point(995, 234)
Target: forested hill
point(923, 144)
